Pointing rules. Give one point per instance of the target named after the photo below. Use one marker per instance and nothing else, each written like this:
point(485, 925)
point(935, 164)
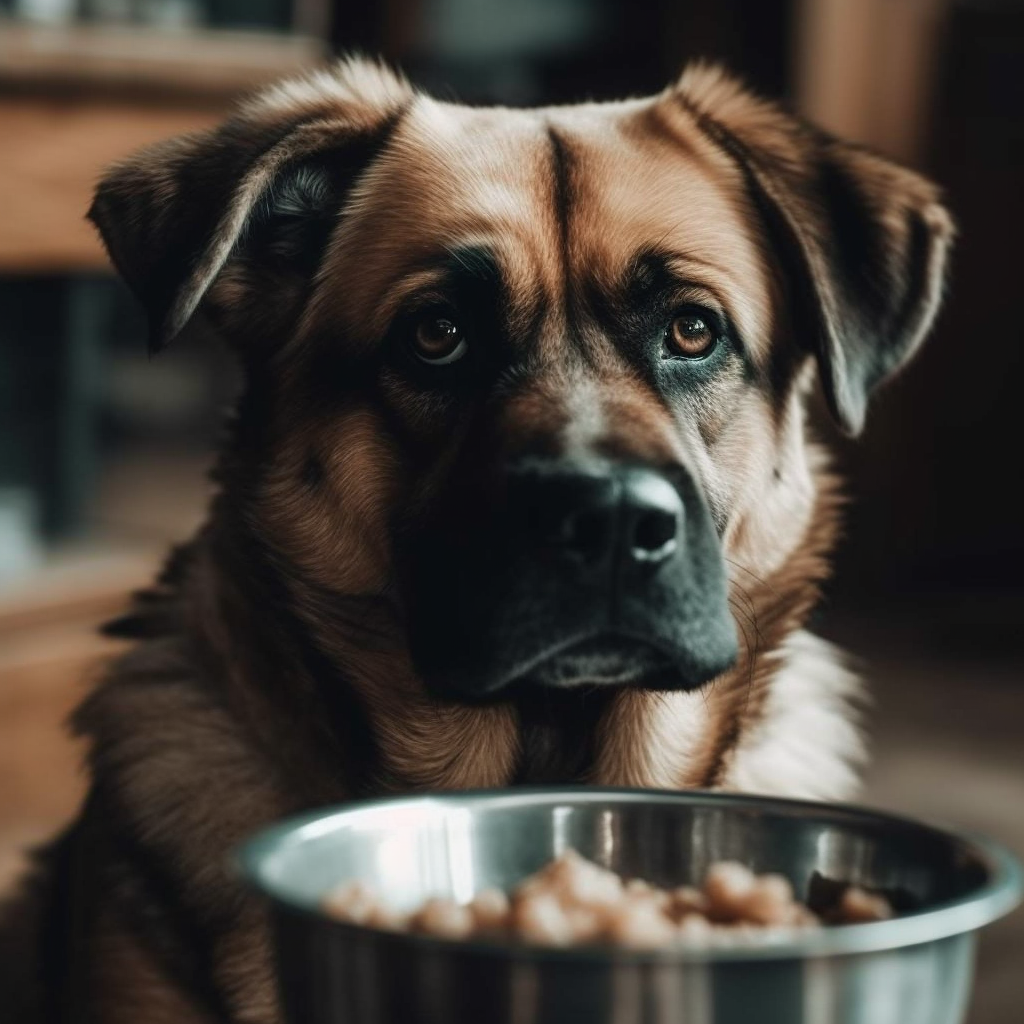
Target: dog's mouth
point(604, 660)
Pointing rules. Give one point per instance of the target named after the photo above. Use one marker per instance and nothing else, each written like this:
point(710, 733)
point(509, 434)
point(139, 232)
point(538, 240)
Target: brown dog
point(520, 487)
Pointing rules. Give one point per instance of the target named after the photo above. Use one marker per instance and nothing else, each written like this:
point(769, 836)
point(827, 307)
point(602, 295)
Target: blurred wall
point(939, 471)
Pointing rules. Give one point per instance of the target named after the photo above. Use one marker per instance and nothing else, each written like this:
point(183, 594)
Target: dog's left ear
point(261, 193)
point(867, 241)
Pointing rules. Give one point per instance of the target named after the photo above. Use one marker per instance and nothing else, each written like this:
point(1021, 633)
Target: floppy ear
point(867, 241)
point(265, 185)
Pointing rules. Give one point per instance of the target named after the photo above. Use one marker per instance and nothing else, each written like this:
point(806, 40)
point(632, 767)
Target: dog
point(521, 487)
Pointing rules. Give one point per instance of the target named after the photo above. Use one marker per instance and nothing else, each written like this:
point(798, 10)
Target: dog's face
point(531, 380)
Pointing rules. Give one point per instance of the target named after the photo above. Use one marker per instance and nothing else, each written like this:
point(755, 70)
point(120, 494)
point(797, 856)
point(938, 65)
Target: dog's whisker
point(759, 579)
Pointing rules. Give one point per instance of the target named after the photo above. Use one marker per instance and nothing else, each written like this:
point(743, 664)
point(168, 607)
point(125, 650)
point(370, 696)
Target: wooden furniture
point(74, 99)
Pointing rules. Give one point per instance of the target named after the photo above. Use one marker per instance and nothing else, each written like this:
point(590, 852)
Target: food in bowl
point(573, 901)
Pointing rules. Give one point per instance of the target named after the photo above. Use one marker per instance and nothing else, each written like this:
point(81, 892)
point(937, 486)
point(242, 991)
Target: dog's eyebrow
point(653, 270)
point(476, 261)
point(458, 262)
point(446, 267)
point(649, 267)
point(654, 274)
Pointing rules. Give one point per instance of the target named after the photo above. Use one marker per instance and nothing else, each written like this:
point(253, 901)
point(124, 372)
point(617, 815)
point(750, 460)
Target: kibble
point(857, 906)
point(443, 918)
point(572, 901)
point(489, 908)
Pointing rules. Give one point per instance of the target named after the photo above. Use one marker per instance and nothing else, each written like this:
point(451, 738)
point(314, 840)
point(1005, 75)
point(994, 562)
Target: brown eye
point(690, 335)
point(439, 340)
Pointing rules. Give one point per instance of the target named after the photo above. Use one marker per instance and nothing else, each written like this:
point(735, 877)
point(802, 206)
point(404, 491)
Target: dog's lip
point(662, 667)
point(602, 659)
point(654, 660)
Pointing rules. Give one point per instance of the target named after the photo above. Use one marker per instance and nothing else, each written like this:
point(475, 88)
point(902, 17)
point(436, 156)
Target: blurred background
point(103, 452)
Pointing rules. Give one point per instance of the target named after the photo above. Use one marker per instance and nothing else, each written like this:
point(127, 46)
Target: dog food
point(572, 901)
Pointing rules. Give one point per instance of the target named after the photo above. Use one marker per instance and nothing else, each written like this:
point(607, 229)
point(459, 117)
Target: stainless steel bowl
point(914, 969)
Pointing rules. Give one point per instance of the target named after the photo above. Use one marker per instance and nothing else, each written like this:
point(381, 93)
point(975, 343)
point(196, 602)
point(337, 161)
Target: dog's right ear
point(863, 242)
point(265, 187)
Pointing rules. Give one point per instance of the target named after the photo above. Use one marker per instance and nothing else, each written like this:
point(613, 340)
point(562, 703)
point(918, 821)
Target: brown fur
point(269, 670)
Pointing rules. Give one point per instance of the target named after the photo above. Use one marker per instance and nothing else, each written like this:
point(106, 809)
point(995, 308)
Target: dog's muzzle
point(580, 575)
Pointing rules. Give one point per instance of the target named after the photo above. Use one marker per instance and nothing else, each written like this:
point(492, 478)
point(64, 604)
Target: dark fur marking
point(476, 262)
point(857, 243)
point(312, 472)
point(561, 198)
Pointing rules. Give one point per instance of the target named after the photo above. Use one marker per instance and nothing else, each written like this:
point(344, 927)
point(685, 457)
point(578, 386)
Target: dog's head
point(532, 378)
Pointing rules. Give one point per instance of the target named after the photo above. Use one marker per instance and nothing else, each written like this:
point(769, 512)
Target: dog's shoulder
point(174, 761)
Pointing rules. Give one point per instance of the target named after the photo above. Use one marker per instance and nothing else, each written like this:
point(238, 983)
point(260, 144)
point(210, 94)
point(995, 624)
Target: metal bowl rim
point(997, 897)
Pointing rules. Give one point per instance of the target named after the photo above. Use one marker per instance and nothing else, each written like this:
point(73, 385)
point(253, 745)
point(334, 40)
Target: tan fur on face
point(636, 428)
point(774, 509)
point(488, 180)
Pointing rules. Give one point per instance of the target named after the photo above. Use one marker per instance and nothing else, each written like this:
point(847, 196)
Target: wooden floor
point(947, 723)
point(50, 651)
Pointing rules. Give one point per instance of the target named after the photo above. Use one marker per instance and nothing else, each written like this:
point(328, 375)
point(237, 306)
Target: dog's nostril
point(587, 531)
point(654, 535)
point(630, 514)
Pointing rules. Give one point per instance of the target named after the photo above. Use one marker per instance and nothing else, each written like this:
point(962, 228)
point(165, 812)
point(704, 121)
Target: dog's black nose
point(592, 516)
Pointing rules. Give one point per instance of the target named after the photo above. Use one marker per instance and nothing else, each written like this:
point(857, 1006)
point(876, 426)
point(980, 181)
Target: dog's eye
point(439, 340)
point(690, 335)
